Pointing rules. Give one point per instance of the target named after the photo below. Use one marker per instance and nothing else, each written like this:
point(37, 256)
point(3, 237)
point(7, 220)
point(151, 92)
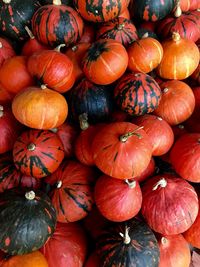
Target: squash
point(6, 50)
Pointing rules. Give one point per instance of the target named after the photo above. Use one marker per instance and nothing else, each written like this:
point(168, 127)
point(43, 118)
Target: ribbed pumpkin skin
point(187, 25)
point(41, 160)
point(15, 16)
point(142, 250)
point(137, 93)
point(119, 29)
point(189, 5)
point(73, 199)
point(25, 224)
point(57, 24)
point(6, 50)
point(169, 208)
point(100, 10)
point(152, 10)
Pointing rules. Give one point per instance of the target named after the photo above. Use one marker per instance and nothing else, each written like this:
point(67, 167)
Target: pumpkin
point(125, 198)
point(105, 61)
point(125, 14)
point(159, 132)
point(67, 247)
point(88, 35)
point(53, 69)
point(186, 25)
point(196, 75)
point(57, 24)
point(186, 5)
point(76, 54)
point(177, 102)
point(137, 93)
point(9, 129)
point(40, 108)
point(6, 50)
point(100, 11)
point(28, 260)
point(72, 194)
point(121, 150)
point(95, 101)
point(93, 260)
point(144, 55)
point(186, 150)
point(27, 220)
point(10, 177)
point(131, 242)
point(170, 204)
point(120, 29)
point(14, 75)
point(152, 10)
point(14, 16)
point(38, 153)
point(148, 172)
point(174, 251)
point(64, 2)
point(180, 58)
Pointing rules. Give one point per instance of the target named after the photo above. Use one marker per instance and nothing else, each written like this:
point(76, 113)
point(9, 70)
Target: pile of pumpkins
point(99, 133)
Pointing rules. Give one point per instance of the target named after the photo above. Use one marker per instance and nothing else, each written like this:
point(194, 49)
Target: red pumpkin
point(119, 29)
point(184, 157)
point(9, 129)
point(121, 150)
point(53, 69)
point(148, 172)
point(100, 11)
point(14, 75)
point(186, 5)
point(72, 194)
point(93, 260)
point(6, 50)
point(144, 55)
point(174, 251)
point(38, 153)
point(57, 24)
point(76, 54)
point(125, 198)
point(67, 247)
point(88, 35)
point(125, 14)
point(170, 204)
point(177, 102)
point(105, 61)
point(159, 132)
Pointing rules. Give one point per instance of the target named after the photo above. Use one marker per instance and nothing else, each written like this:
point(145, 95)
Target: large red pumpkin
point(6, 50)
point(67, 247)
point(38, 153)
point(72, 192)
point(185, 158)
point(170, 204)
point(121, 150)
point(125, 198)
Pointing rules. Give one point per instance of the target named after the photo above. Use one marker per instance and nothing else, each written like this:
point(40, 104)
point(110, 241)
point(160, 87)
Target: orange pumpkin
point(33, 259)
point(144, 55)
point(40, 108)
point(180, 58)
point(125, 14)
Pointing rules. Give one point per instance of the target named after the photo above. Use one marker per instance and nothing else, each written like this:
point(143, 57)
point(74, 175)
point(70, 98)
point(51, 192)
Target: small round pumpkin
point(6, 50)
point(40, 108)
point(180, 58)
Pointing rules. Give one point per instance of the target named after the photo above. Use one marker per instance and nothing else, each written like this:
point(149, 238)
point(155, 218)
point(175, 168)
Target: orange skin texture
point(180, 59)
point(125, 14)
point(6, 50)
point(14, 75)
point(177, 103)
point(144, 55)
point(189, 5)
point(192, 235)
point(33, 259)
point(40, 108)
point(174, 251)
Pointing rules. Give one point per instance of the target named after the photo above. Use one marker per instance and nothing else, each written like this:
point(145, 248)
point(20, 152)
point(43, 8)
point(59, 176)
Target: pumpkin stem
point(120, 26)
point(30, 195)
point(162, 183)
point(59, 184)
point(7, 1)
point(181, 126)
point(126, 237)
point(31, 147)
point(176, 36)
point(123, 138)
point(57, 49)
point(43, 86)
point(74, 48)
point(145, 35)
point(165, 90)
point(131, 184)
point(1, 45)
point(54, 130)
point(83, 121)
point(178, 11)
point(57, 2)
point(30, 34)
point(164, 240)
point(159, 118)
point(1, 111)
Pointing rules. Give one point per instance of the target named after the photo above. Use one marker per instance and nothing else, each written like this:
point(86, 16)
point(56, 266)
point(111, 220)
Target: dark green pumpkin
point(15, 15)
point(128, 244)
point(151, 10)
point(94, 100)
point(27, 220)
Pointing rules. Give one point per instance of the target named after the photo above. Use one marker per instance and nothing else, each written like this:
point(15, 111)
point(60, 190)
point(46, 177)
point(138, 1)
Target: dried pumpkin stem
point(7, 1)
point(164, 240)
point(126, 237)
point(57, 2)
point(178, 11)
point(30, 195)
point(145, 35)
point(43, 86)
point(59, 47)
point(131, 184)
point(74, 48)
point(162, 183)
point(123, 138)
point(30, 34)
point(120, 26)
point(176, 36)
point(1, 111)
point(54, 130)
point(59, 184)
point(31, 147)
point(1, 45)
point(83, 121)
